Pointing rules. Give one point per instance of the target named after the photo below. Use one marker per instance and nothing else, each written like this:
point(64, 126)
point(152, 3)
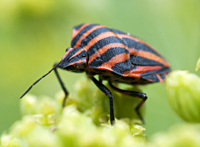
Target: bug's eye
point(84, 55)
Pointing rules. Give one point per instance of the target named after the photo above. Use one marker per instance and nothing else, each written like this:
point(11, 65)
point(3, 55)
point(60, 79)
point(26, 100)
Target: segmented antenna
point(38, 80)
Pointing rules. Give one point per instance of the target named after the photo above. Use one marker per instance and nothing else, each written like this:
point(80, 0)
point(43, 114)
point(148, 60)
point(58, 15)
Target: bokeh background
point(34, 34)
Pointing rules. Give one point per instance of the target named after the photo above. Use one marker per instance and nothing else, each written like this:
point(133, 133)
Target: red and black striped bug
point(113, 55)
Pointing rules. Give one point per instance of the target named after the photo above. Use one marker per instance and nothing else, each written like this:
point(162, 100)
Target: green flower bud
point(5, 140)
point(85, 94)
point(45, 120)
point(184, 94)
point(181, 135)
point(23, 127)
point(9, 141)
point(46, 107)
point(42, 136)
point(28, 104)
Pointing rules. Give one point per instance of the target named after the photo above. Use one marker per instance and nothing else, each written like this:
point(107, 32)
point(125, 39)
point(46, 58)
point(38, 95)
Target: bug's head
point(74, 59)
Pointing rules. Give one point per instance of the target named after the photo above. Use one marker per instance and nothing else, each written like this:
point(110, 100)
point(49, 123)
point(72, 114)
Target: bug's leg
point(105, 90)
point(62, 85)
point(134, 94)
point(100, 80)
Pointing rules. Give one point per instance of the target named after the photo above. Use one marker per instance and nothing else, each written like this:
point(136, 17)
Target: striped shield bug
point(114, 56)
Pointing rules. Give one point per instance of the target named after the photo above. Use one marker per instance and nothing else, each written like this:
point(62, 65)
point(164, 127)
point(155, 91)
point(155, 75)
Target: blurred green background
point(34, 34)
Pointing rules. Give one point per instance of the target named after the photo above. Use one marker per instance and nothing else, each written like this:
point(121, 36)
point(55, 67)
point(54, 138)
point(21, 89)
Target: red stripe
point(75, 32)
point(138, 40)
point(142, 69)
point(86, 34)
point(76, 62)
point(99, 37)
point(129, 74)
point(148, 55)
point(69, 50)
point(104, 49)
point(114, 60)
point(78, 52)
point(160, 79)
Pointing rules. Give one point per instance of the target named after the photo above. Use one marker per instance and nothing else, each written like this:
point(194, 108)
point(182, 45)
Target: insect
point(116, 57)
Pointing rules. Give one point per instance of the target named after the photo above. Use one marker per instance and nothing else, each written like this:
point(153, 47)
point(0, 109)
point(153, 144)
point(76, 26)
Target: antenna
point(38, 80)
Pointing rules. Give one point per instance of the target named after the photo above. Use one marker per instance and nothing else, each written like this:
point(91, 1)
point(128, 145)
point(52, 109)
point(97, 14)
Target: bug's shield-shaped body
point(114, 56)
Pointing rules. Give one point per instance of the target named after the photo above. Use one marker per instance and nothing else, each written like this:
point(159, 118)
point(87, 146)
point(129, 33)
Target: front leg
point(105, 90)
point(62, 85)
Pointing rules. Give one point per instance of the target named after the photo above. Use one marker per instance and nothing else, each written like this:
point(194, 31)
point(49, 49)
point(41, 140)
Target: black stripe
point(93, 35)
point(137, 60)
point(72, 52)
point(117, 31)
point(105, 57)
point(77, 37)
point(159, 71)
point(77, 27)
point(101, 43)
point(77, 57)
point(65, 61)
point(162, 76)
point(151, 77)
point(131, 43)
point(121, 67)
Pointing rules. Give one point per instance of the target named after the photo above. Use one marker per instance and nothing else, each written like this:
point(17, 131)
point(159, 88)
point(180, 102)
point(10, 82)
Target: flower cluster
point(85, 119)
point(83, 122)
